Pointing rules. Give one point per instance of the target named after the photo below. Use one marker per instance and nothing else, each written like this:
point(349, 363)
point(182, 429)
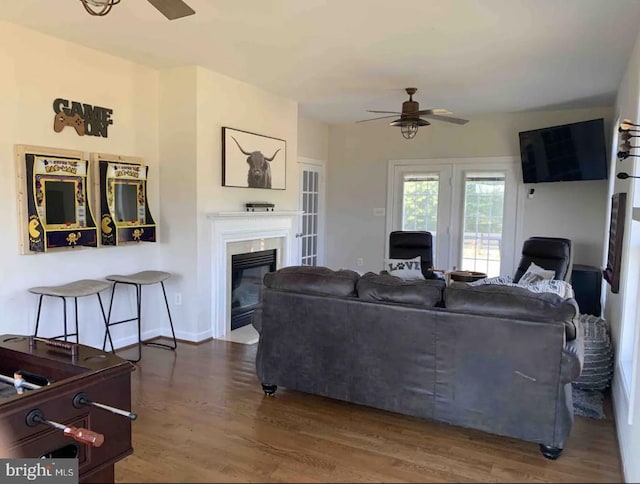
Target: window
point(483, 222)
point(420, 203)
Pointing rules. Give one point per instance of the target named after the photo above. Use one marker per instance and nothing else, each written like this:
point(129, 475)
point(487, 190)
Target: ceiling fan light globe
point(409, 130)
point(99, 8)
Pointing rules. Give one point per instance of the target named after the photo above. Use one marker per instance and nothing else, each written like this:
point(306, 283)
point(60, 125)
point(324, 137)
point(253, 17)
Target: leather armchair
point(405, 244)
point(551, 253)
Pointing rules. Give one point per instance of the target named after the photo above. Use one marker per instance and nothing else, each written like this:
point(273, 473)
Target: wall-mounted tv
point(568, 152)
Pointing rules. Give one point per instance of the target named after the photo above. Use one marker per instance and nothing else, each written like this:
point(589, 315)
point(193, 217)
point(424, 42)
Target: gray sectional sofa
point(495, 358)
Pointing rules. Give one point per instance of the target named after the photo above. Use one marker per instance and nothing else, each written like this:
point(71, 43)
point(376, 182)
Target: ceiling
point(338, 58)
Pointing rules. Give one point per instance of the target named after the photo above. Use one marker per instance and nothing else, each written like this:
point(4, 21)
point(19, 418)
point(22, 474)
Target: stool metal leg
point(139, 301)
point(106, 325)
point(108, 321)
point(173, 333)
point(75, 302)
point(38, 316)
point(64, 308)
point(138, 319)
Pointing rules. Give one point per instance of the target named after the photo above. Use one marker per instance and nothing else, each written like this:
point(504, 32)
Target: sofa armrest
point(256, 319)
point(573, 355)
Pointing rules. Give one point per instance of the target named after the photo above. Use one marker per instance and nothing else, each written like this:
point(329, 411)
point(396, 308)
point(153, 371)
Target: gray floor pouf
point(597, 371)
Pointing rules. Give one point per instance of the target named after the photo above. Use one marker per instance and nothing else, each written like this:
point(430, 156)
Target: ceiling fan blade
point(383, 112)
point(373, 119)
point(172, 9)
point(433, 111)
point(446, 119)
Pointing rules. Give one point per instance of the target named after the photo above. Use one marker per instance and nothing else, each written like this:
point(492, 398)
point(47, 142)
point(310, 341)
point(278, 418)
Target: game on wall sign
point(83, 117)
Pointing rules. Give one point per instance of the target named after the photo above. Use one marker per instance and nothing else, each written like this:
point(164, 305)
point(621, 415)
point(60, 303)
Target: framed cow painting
point(252, 160)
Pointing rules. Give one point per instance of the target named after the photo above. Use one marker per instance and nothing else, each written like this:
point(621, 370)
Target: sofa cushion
point(512, 302)
point(313, 280)
point(388, 288)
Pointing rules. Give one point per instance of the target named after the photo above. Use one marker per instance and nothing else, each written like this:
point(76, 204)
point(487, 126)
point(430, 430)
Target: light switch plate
point(378, 212)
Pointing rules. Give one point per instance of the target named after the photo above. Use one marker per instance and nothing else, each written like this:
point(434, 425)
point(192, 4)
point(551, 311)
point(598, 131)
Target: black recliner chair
point(409, 244)
point(550, 253)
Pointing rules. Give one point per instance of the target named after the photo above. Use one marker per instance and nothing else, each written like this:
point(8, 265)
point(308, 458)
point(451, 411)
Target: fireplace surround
point(235, 233)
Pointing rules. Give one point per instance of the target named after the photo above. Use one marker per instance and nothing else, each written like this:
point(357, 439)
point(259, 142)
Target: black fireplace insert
point(247, 271)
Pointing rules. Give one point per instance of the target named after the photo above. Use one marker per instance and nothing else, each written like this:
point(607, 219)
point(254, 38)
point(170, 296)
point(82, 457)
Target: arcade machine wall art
point(124, 209)
point(53, 203)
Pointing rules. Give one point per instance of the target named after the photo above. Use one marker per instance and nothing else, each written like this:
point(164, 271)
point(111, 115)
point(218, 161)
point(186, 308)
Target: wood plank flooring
point(204, 418)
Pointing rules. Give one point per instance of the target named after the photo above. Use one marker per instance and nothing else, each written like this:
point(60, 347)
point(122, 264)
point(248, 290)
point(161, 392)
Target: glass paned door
point(423, 203)
point(484, 198)
point(469, 206)
point(420, 203)
point(311, 220)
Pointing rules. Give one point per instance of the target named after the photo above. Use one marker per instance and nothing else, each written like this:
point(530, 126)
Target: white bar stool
point(76, 289)
point(138, 280)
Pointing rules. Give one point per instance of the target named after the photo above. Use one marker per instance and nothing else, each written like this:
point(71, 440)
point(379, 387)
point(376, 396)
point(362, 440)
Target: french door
point(312, 218)
point(469, 207)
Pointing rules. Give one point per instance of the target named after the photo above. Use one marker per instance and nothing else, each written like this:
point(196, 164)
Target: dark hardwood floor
point(204, 418)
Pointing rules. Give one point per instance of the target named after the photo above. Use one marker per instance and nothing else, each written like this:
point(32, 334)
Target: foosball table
point(64, 400)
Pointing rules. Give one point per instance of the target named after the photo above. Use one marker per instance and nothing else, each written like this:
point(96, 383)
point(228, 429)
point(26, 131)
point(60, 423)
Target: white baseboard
point(157, 332)
point(620, 413)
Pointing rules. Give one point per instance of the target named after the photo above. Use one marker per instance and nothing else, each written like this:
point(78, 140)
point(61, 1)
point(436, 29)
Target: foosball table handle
point(81, 399)
point(65, 345)
point(85, 436)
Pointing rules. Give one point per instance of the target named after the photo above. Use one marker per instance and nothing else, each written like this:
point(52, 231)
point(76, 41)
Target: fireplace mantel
point(229, 227)
point(244, 215)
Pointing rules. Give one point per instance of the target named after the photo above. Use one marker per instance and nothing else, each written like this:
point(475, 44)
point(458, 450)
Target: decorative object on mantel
point(616, 231)
point(83, 117)
point(172, 9)
point(627, 132)
point(54, 208)
point(410, 116)
point(124, 208)
point(259, 207)
point(246, 161)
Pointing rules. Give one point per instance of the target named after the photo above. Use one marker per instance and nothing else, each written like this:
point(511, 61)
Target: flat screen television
point(568, 152)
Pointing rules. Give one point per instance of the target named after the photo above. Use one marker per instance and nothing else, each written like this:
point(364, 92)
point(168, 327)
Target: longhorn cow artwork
point(246, 160)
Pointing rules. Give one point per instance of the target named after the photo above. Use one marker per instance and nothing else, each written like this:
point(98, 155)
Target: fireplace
point(234, 233)
point(247, 271)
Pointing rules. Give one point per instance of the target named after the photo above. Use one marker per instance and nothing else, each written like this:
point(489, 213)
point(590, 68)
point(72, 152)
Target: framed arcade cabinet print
point(53, 203)
point(251, 160)
point(123, 202)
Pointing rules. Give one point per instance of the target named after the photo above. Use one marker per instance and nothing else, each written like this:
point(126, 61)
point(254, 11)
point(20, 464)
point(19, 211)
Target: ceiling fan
point(411, 116)
point(172, 9)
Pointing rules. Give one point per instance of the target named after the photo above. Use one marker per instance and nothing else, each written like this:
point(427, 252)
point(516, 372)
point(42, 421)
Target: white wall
point(173, 119)
point(622, 309)
point(313, 139)
point(357, 171)
point(178, 201)
point(36, 69)
point(192, 173)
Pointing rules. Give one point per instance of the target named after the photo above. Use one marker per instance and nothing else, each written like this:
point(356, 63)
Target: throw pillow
point(499, 280)
point(536, 273)
point(561, 288)
point(408, 269)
